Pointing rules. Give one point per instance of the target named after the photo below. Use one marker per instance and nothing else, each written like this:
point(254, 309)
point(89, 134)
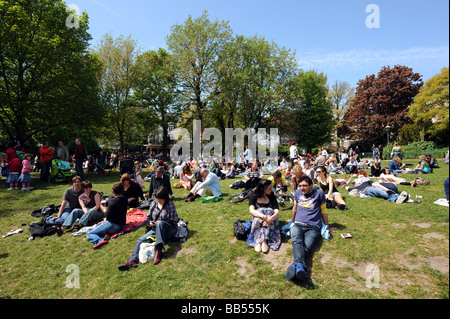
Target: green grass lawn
point(408, 244)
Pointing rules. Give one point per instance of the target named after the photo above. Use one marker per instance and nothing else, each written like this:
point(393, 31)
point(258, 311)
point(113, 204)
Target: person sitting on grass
point(265, 230)
point(396, 166)
point(132, 190)
point(326, 184)
point(115, 215)
point(90, 210)
point(163, 221)
point(423, 167)
point(308, 214)
point(186, 177)
point(278, 183)
point(209, 186)
point(69, 202)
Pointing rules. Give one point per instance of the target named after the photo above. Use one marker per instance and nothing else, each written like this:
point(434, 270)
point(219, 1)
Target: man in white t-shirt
point(293, 152)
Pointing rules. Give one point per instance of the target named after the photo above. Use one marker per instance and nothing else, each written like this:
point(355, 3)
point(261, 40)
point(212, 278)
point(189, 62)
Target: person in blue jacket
point(209, 186)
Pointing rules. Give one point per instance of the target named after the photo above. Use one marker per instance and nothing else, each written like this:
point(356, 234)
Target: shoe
point(402, 197)
point(417, 201)
point(300, 273)
point(127, 266)
point(258, 248)
point(24, 189)
point(264, 247)
point(158, 254)
point(100, 244)
point(10, 188)
point(75, 228)
point(290, 274)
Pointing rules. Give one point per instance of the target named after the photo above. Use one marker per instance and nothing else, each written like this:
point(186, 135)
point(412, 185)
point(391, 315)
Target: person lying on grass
point(115, 215)
point(163, 221)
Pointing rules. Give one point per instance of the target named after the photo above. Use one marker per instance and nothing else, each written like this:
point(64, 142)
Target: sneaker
point(300, 273)
point(100, 244)
point(24, 189)
point(402, 197)
point(290, 274)
point(258, 248)
point(10, 188)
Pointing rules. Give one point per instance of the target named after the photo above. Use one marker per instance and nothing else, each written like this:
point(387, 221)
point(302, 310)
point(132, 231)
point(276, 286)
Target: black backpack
point(242, 229)
point(41, 229)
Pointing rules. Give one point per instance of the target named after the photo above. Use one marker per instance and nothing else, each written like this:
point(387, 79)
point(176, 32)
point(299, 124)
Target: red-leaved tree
point(380, 101)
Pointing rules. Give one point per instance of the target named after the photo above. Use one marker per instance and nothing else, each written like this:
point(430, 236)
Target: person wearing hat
point(159, 179)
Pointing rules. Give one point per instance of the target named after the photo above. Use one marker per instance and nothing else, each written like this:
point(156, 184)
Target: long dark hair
point(260, 188)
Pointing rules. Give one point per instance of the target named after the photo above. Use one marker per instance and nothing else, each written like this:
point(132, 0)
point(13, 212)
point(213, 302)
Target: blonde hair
point(297, 169)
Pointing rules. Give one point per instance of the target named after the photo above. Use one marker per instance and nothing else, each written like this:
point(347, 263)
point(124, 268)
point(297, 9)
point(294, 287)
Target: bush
point(415, 149)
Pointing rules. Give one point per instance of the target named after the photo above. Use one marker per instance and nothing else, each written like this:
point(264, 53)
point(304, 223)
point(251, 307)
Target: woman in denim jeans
point(308, 212)
point(163, 221)
point(116, 218)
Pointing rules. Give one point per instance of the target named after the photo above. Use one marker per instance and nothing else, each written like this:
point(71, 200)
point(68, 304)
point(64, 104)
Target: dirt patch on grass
point(439, 263)
point(245, 269)
point(279, 259)
point(422, 225)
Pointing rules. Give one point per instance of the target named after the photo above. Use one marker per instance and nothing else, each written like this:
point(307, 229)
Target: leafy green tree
point(430, 110)
point(196, 45)
point(117, 79)
point(309, 114)
point(47, 75)
point(157, 90)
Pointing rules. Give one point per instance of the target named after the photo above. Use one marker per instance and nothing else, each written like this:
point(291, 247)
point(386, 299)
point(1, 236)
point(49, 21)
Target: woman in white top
point(186, 177)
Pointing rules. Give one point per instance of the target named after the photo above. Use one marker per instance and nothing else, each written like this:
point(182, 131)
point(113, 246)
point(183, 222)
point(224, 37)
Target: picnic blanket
point(135, 218)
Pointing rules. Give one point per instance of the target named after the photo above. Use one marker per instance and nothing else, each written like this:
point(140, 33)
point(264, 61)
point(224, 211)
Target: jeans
point(62, 218)
point(97, 234)
point(79, 167)
point(446, 188)
point(163, 231)
point(303, 239)
point(91, 214)
point(45, 171)
point(377, 192)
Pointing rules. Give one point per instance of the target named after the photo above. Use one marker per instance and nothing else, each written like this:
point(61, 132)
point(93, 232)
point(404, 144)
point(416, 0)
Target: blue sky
point(329, 36)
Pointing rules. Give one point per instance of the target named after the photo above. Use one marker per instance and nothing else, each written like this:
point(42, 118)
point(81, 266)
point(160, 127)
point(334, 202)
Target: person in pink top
point(25, 176)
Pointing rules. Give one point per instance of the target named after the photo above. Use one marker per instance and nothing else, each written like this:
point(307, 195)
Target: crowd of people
point(308, 178)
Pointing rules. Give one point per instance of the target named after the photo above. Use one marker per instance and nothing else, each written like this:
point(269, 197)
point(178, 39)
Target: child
point(13, 177)
point(25, 177)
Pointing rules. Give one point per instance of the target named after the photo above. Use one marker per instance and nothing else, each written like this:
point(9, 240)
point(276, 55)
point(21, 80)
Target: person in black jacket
point(116, 218)
point(132, 190)
point(159, 179)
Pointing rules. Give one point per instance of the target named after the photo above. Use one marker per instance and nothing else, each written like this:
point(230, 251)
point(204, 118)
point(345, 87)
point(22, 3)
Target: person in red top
point(46, 154)
point(11, 152)
point(15, 166)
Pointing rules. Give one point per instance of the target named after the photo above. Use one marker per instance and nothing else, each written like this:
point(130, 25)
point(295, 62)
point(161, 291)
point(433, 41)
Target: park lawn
point(407, 245)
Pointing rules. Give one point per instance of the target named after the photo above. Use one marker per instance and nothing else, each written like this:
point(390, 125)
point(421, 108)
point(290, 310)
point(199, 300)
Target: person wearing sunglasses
point(327, 186)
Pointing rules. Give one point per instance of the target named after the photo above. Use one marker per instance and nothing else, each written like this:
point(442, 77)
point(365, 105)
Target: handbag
point(146, 252)
point(242, 229)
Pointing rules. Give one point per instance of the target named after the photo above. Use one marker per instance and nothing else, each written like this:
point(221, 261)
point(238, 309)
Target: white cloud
point(364, 57)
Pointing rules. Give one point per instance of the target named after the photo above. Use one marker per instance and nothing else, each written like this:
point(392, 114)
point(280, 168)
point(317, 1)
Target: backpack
point(46, 211)
point(242, 229)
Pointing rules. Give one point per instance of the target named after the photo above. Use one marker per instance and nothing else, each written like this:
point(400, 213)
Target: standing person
point(375, 151)
point(293, 152)
point(80, 155)
point(62, 152)
point(248, 156)
point(116, 218)
point(307, 214)
point(46, 154)
point(396, 151)
point(380, 151)
point(25, 176)
point(163, 221)
point(14, 166)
